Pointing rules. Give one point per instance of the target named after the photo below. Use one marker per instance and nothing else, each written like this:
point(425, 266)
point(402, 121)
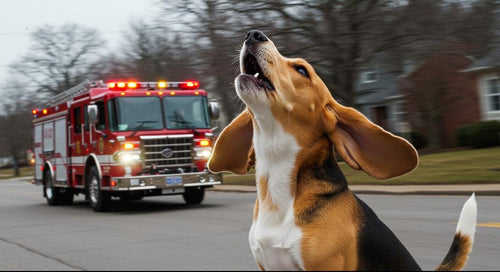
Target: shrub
point(416, 139)
point(481, 134)
point(486, 134)
point(464, 135)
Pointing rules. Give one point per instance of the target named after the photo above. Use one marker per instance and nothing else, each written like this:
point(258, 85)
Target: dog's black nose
point(255, 36)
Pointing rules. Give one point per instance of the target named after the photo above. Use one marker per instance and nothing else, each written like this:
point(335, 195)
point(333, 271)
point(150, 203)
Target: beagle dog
point(305, 217)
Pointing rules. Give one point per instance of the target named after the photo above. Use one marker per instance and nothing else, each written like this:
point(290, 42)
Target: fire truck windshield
point(129, 113)
point(145, 113)
point(189, 112)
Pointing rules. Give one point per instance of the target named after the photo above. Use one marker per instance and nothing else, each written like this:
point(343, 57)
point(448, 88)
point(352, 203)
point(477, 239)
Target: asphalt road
point(162, 233)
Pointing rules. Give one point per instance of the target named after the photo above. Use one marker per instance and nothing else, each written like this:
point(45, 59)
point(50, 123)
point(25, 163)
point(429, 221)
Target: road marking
point(489, 225)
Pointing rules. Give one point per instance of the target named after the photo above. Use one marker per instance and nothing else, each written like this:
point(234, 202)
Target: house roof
point(489, 61)
point(385, 88)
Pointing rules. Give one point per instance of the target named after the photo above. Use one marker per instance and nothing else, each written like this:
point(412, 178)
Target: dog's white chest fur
point(274, 238)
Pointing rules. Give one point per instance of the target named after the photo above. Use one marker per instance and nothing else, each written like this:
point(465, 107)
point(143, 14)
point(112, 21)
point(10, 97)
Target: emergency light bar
point(131, 85)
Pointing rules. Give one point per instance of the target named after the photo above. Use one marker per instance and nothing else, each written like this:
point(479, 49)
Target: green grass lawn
point(9, 172)
point(455, 167)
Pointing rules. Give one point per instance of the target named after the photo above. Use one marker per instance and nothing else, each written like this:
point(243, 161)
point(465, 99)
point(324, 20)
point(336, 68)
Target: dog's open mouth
point(251, 67)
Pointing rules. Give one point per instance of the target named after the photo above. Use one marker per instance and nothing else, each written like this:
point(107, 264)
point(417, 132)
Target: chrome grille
point(181, 147)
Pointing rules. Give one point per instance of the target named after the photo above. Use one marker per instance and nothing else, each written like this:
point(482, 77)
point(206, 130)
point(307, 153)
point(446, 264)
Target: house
point(440, 98)
point(379, 98)
point(486, 72)
point(445, 91)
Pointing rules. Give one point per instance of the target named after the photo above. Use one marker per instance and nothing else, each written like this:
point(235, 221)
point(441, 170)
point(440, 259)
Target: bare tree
point(335, 36)
point(59, 58)
point(148, 53)
point(214, 28)
point(338, 37)
point(15, 135)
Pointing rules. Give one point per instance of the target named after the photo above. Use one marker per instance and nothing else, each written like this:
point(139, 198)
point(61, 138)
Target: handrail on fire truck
point(73, 91)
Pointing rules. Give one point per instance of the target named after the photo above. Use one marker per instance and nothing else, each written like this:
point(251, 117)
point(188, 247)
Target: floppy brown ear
point(233, 150)
point(366, 146)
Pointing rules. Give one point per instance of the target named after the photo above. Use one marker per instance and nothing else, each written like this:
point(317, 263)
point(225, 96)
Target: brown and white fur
point(305, 216)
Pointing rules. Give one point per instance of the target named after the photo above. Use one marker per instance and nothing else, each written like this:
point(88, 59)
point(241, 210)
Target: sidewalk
point(454, 189)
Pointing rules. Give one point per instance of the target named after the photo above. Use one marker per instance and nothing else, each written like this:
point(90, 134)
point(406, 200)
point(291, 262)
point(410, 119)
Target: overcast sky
point(20, 17)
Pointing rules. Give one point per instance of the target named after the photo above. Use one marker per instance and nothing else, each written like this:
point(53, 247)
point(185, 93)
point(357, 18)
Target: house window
point(401, 125)
point(368, 76)
point(493, 94)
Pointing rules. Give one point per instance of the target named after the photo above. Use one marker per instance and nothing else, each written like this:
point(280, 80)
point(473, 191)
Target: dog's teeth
point(256, 75)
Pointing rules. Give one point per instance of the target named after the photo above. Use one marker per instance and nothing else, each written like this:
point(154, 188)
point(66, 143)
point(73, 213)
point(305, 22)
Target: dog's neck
point(283, 168)
point(319, 175)
point(275, 155)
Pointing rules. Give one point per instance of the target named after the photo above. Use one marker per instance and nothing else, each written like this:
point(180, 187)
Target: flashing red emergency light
point(123, 85)
point(35, 111)
point(189, 85)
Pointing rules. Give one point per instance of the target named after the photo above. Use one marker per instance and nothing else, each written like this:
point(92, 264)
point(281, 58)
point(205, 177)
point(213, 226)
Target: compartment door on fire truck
point(37, 148)
point(48, 137)
point(60, 154)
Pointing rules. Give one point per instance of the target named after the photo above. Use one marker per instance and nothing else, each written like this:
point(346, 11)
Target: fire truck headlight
point(127, 157)
point(203, 152)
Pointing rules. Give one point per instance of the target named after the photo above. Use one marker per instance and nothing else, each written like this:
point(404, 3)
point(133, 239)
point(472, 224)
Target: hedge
point(480, 134)
point(415, 138)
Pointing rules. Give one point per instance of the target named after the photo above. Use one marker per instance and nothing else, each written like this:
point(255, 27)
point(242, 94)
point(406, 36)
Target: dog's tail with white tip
point(464, 238)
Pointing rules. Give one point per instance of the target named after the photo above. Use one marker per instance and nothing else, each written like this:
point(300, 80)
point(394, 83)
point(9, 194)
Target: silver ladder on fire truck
point(72, 92)
point(125, 139)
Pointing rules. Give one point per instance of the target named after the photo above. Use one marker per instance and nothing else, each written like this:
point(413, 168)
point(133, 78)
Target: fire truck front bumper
point(170, 183)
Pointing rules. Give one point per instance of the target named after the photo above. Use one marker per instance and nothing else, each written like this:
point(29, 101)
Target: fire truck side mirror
point(213, 109)
point(92, 114)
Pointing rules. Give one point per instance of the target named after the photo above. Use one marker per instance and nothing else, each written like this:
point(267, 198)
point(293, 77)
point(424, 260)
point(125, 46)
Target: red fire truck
point(125, 139)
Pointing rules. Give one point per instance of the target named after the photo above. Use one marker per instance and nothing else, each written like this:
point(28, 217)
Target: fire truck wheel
point(52, 193)
point(193, 195)
point(99, 200)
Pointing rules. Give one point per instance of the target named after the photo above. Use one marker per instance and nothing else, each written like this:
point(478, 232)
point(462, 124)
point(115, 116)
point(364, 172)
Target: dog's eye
point(301, 70)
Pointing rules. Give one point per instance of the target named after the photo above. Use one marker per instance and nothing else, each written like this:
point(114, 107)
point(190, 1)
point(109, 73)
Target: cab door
point(76, 147)
point(97, 131)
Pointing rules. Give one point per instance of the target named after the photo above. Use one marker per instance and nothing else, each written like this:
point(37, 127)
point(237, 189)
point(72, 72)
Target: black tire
point(51, 193)
point(193, 195)
point(99, 200)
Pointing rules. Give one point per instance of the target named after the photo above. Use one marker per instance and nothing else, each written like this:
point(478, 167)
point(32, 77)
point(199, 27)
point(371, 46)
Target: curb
point(424, 192)
point(466, 190)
